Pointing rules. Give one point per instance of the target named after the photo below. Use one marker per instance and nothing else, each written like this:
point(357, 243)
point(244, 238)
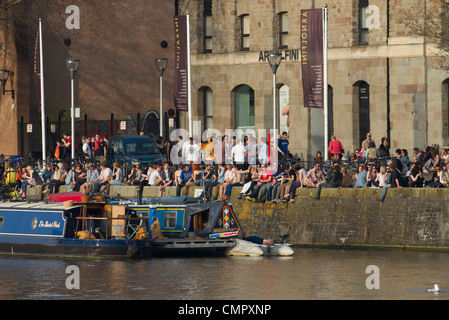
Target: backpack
point(372, 154)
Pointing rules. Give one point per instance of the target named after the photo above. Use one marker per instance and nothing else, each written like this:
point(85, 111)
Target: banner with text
point(312, 62)
point(37, 69)
point(180, 81)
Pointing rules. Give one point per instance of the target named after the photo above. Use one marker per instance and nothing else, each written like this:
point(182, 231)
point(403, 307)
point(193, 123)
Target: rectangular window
point(363, 28)
point(244, 20)
point(170, 219)
point(207, 25)
point(283, 30)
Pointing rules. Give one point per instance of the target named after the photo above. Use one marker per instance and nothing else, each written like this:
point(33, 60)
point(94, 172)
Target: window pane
point(245, 42)
point(284, 22)
point(363, 17)
point(170, 219)
point(208, 103)
point(244, 107)
point(208, 26)
point(209, 123)
point(245, 25)
point(284, 40)
point(208, 44)
point(364, 36)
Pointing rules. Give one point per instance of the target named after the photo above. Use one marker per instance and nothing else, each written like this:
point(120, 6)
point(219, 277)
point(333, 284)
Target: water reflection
point(309, 274)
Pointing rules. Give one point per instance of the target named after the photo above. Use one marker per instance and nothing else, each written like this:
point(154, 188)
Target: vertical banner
point(181, 64)
point(312, 58)
point(37, 68)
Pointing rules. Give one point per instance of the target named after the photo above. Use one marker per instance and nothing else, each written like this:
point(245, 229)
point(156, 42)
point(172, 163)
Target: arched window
point(363, 108)
point(244, 107)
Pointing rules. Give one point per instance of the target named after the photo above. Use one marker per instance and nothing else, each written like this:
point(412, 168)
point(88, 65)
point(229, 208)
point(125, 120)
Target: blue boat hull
point(76, 248)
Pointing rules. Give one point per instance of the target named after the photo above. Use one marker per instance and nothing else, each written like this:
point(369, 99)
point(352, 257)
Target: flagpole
point(41, 57)
point(325, 91)
point(189, 77)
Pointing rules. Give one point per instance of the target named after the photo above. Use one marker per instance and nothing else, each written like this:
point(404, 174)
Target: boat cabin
point(185, 217)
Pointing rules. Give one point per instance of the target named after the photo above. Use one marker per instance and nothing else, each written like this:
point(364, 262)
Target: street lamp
point(274, 59)
point(161, 64)
point(4, 75)
point(72, 65)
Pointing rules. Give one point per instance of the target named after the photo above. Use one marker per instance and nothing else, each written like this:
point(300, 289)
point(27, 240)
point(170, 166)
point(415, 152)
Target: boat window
point(170, 220)
point(1, 222)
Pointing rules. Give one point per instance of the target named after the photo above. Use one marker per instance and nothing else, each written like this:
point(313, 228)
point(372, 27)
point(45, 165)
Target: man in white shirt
point(86, 147)
point(155, 177)
point(238, 154)
point(192, 152)
point(263, 151)
point(105, 176)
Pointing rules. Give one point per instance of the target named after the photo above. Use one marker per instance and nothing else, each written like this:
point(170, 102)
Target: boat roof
point(174, 200)
point(33, 205)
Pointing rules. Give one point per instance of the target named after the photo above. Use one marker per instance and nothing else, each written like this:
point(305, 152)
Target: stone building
point(116, 42)
point(382, 78)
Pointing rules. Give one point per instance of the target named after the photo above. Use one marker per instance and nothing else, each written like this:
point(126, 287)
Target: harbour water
point(317, 274)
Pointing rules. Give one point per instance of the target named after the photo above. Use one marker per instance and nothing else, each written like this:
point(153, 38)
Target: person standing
point(99, 147)
point(365, 143)
point(238, 154)
point(87, 152)
point(384, 148)
point(335, 148)
point(283, 152)
point(192, 151)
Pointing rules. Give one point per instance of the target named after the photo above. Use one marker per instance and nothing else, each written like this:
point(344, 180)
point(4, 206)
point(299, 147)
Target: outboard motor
point(284, 237)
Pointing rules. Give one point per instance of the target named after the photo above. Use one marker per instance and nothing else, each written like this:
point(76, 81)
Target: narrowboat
point(83, 230)
point(184, 225)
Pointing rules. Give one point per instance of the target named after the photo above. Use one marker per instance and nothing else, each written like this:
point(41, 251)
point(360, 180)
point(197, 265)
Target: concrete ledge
point(130, 192)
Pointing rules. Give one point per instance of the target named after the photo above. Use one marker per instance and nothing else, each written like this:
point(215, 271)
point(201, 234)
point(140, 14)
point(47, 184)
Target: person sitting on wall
point(185, 180)
point(260, 190)
point(333, 180)
point(314, 176)
point(362, 176)
point(392, 180)
point(167, 175)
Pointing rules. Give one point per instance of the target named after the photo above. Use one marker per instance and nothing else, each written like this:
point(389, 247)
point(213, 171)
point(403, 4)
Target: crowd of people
point(246, 164)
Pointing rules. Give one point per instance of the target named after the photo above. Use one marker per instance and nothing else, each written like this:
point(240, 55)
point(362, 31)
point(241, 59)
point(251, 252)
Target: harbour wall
point(409, 218)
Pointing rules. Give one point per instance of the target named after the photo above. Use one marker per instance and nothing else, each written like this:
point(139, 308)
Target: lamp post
point(274, 59)
point(72, 65)
point(161, 64)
